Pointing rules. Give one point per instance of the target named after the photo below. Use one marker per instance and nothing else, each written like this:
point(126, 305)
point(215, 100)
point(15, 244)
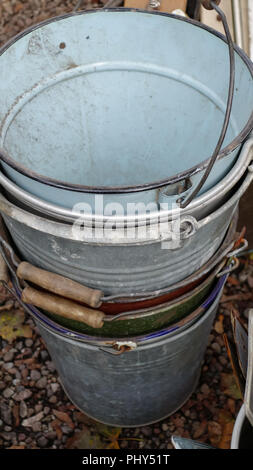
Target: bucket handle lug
point(119, 347)
point(192, 227)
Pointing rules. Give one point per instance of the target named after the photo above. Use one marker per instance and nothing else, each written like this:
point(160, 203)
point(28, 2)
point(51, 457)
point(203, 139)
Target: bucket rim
point(142, 341)
point(163, 306)
point(4, 156)
point(33, 203)
point(64, 230)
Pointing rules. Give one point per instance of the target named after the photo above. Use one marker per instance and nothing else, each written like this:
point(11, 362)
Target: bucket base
point(133, 425)
point(139, 387)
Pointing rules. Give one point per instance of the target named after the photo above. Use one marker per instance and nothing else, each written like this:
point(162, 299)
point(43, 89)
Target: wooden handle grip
point(4, 272)
point(64, 307)
point(60, 285)
point(207, 4)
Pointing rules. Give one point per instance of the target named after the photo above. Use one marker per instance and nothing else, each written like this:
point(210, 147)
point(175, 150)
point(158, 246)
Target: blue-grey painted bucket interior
point(119, 98)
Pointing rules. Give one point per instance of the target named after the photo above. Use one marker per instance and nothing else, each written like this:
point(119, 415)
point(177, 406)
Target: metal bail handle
point(213, 5)
point(208, 3)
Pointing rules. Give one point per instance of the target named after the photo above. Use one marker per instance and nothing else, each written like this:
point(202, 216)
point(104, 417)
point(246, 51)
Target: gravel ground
point(16, 15)
point(34, 410)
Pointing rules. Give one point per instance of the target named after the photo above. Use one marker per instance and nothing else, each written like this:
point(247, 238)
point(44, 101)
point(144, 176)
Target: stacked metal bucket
point(108, 121)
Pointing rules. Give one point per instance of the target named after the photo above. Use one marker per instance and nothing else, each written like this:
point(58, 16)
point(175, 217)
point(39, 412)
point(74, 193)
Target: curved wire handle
point(209, 5)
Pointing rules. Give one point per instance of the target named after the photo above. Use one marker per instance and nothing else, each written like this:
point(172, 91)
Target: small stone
point(8, 356)
point(216, 348)
point(218, 326)
point(8, 392)
point(7, 428)
point(36, 427)
point(38, 408)
point(24, 373)
point(23, 409)
point(33, 419)
point(28, 342)
point(124, 445)
point(66, 429)
point(223, 360)
point(165, 427)
point(23, 395)
point(6, 415)
point(35, 375)
point(146, 431)
point(49, 391)
point(51, 435)
point(7, 6)
point(55, 387)
point(21, 437)
point(17, 380)
point(41, 383)
point(6, 435)
point(2, 385)
point(50, 366)
point(30, 412)
point(205, 389)
point(53, 399)
point(43, 354)
point(214, 432)
point(8, 365)
point(42, 442)
point(199, 429)
point(193, 415)
point(231, 405)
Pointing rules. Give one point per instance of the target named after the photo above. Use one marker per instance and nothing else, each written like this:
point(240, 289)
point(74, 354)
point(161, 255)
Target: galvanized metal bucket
point(144, 377)
point(242, 437)
point(109, 102)
point(116, 264)
point(200, 207)
point(141, 386)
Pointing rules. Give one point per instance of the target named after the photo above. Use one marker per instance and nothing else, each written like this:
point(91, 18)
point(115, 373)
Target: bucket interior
point(118, 98)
